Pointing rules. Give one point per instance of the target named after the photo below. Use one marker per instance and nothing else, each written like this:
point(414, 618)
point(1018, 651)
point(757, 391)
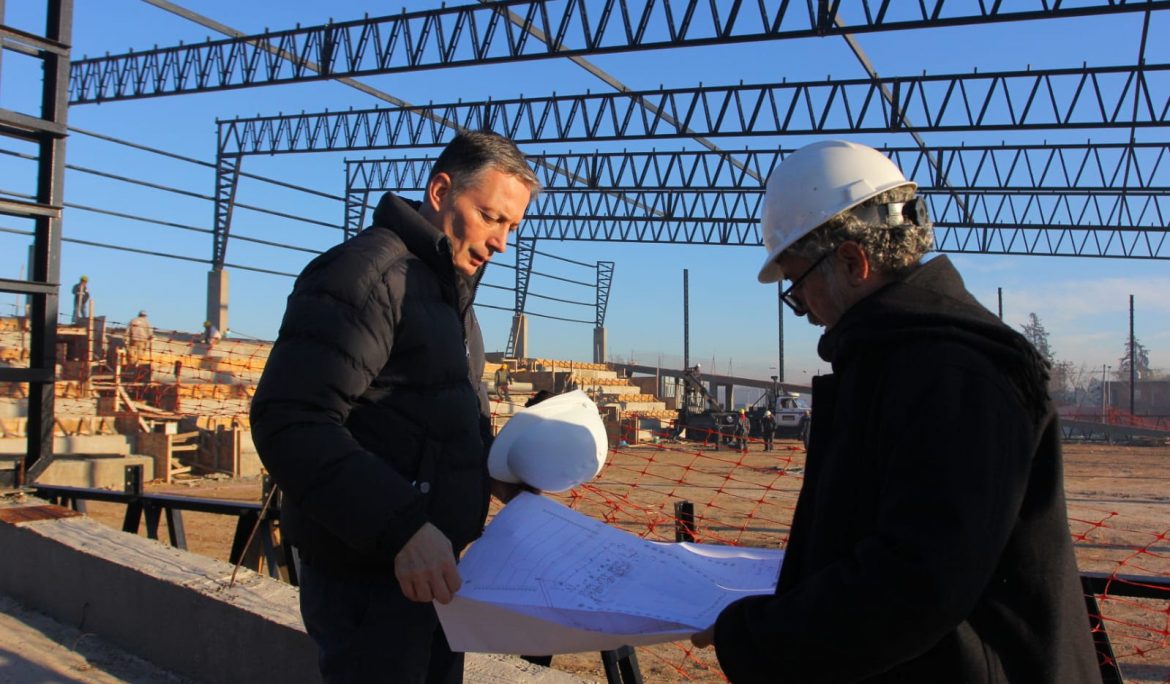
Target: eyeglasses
point(788, 298)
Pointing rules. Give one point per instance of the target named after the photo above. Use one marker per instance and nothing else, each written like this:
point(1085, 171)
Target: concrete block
point(117, 445)
point(13, 407)
point(66, 406)
point(617, 389)
point(94, 472)
point(643, 406)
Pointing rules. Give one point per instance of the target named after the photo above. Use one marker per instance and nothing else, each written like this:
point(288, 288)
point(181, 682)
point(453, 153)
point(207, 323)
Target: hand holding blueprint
point(546, 579)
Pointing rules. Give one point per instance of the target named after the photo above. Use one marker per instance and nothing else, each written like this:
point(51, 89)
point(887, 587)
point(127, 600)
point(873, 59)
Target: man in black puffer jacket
point(930, 541)
point(372, 418)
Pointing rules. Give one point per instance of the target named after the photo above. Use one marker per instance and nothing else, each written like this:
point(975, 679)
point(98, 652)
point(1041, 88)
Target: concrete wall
point(169, 606)
point(174, 608)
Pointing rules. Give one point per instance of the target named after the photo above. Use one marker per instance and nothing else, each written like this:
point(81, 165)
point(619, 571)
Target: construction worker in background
point(81, 301)
point(930, 540)
point(503, 378)
point(768, 430)
point(139, 335)
point(372, 418)
point(211, 334)
point(743, 427)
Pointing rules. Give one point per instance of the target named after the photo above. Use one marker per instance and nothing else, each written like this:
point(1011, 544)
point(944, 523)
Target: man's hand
point(425, 567)
point(704, 638)
point(506, 491)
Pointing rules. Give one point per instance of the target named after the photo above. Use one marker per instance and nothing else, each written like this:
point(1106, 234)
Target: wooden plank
point(27, 514)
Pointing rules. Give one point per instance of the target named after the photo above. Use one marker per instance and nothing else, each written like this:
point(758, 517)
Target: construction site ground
point(1119, 499)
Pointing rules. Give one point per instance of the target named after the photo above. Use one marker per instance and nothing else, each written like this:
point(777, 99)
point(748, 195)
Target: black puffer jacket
point(930, 541)
point(370, 414)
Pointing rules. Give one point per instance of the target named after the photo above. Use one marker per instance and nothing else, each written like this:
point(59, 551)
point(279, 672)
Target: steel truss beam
point(1090, 97)
point(525, 253)
point(227, 180)
point(1003, 237)
point(482, 34)
point(1083, 167)
point(1084, 200)
point(988, 207)
point(604, 283)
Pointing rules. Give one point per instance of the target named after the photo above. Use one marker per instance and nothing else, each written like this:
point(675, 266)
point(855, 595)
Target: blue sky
point(1083, 302)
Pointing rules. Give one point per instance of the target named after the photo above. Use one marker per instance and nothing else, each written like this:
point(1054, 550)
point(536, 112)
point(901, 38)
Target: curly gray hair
point(892, 250)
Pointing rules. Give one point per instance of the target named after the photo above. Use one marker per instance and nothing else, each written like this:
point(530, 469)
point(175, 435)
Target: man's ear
point(437, 188)
point(856, 262)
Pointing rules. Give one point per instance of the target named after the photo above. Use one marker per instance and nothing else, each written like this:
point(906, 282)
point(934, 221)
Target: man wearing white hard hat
point(930, 541)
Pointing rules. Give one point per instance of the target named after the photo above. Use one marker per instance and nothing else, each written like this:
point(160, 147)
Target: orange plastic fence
point(748, 499)
point(1119, 509)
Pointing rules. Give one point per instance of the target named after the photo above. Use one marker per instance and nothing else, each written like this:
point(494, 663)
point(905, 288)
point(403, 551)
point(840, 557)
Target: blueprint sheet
point(546, 579)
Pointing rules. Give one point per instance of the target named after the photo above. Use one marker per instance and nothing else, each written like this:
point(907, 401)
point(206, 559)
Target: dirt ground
point(1119, 510)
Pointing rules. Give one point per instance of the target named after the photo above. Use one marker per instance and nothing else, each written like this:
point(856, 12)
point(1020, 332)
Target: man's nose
point(498, 242)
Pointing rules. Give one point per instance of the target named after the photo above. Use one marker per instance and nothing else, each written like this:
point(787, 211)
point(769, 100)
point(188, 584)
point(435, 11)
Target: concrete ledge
point(95, 472)
point(77, 444)
point(171, 607)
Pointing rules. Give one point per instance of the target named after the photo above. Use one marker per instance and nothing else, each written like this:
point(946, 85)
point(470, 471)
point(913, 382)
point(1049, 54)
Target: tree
point(1036, 334)
point(1141, 358)
point(1062, 382)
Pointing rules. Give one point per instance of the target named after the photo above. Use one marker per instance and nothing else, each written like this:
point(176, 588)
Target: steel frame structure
point(1141, 167)
point(1048, 99)
point(1083, 199)
point(482, 34)
point(48, 132)
point(1122, 98)
point(525, 253)
point(1129, 219)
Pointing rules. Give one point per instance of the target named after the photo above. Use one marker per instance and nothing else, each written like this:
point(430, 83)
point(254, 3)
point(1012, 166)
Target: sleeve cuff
point(733, 642)
point(395, 536)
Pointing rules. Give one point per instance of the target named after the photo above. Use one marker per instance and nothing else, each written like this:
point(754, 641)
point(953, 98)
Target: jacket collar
point(931, 302)
point(402, 217)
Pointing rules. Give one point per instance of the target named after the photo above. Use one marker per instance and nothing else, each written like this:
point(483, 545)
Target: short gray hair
point(470, 153)
point(891, 250)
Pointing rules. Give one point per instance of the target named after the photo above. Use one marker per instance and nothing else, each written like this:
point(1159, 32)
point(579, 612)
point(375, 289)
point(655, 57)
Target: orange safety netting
point(748, 499)
point(1119, 508)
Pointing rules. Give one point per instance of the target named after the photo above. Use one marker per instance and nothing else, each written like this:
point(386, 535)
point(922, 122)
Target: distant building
point(1150, 397)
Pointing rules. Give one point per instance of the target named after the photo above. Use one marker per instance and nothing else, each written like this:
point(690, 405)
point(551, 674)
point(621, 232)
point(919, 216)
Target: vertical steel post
point(1132, 361)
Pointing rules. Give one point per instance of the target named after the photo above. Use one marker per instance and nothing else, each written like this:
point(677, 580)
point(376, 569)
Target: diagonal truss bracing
point(1084, 167)
point(1001, 238)
point(482, 34)
point(1019, 199)
point(1098, 97)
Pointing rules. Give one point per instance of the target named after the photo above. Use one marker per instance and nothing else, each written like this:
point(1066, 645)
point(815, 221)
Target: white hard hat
point(814, 184)
point(552, 446)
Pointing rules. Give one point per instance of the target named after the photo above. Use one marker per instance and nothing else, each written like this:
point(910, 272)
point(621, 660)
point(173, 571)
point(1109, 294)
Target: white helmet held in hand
point(552, 446)
point(814, 184)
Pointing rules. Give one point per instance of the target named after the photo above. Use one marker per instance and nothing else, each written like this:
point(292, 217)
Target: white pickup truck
point(791, 419)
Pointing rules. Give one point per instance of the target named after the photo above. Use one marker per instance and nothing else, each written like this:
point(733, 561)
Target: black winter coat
point(370, 414)
point(930, 541)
